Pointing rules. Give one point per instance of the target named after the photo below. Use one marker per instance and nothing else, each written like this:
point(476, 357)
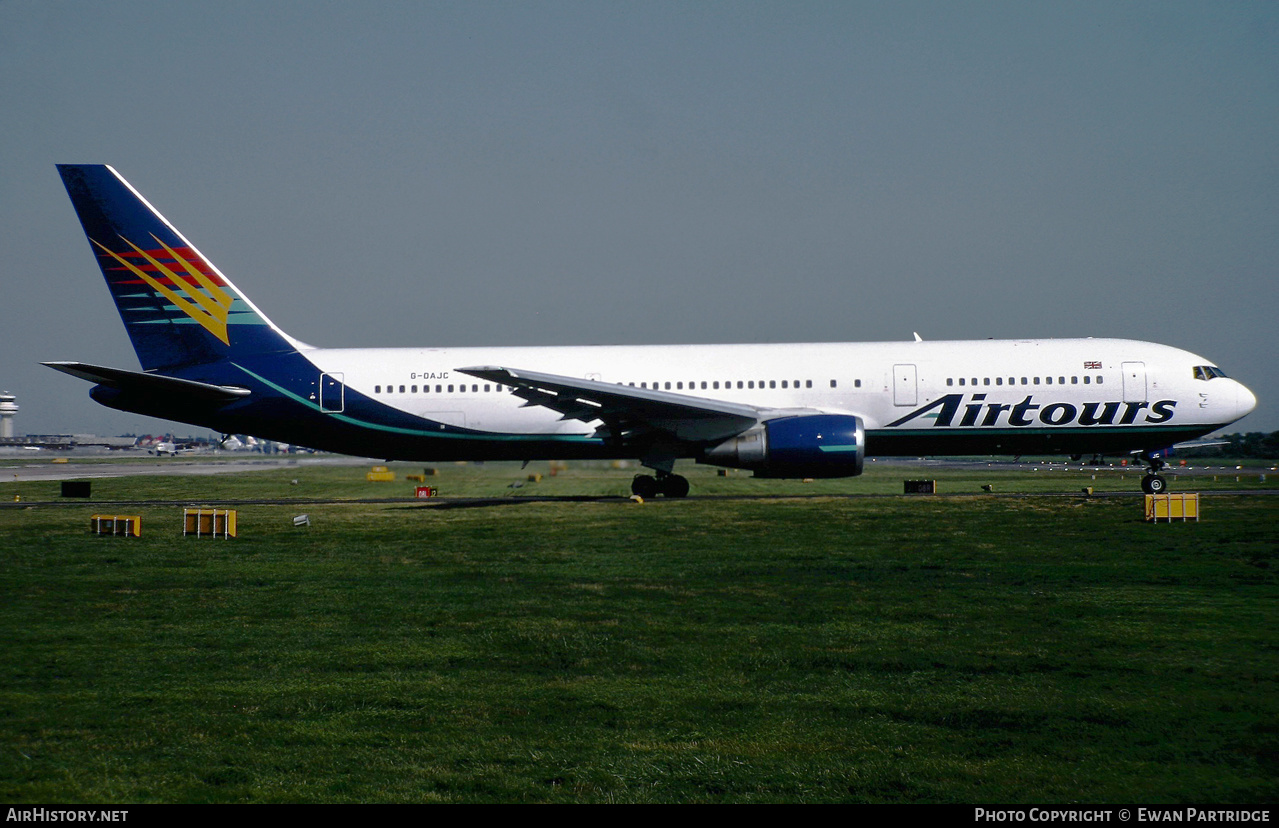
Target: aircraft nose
point(1245, 401)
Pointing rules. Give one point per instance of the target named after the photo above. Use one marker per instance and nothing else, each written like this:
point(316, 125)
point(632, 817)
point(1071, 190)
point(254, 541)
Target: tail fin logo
point(193, 292)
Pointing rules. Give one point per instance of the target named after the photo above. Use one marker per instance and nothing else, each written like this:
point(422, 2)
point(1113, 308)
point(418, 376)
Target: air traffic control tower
point(7, 409)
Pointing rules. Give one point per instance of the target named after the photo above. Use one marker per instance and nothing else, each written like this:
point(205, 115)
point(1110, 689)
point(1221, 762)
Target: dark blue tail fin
point(176, 306)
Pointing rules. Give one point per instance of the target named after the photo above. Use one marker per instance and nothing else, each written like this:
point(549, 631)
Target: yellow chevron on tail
point(210, 310)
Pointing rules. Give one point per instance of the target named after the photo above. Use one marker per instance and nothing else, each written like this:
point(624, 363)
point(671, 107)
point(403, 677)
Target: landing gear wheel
point(1154, 484)
point(644, 486)
point(649, 487)
point(674, 485)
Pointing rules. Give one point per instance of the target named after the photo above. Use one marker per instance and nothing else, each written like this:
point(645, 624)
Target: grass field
point(815, 648)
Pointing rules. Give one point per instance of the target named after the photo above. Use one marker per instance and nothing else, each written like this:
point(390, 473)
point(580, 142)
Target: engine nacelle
point(811, 445)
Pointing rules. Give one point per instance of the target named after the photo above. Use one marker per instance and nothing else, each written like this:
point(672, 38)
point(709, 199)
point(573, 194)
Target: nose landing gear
point(1153, 483)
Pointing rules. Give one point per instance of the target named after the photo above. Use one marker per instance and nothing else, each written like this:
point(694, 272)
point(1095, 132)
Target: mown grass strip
point(887, 650)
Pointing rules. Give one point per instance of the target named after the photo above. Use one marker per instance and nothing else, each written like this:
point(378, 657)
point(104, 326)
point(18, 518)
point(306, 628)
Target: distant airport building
point(8, 408)
point(68, 441)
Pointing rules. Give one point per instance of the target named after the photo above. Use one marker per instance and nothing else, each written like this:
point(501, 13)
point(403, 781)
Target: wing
point(1201, 443)
point(628, 414)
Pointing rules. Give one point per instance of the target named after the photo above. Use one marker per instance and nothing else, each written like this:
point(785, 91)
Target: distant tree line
point(1253, 444)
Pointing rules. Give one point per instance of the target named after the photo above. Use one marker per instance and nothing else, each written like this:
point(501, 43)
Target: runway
point(23, 466)
point(22, 469)
point(445, 503)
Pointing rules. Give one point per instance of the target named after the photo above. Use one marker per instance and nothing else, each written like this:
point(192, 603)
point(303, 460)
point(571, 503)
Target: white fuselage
point(974, 387)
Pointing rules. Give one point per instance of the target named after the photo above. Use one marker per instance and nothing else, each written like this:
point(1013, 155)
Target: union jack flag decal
point(1090, 366)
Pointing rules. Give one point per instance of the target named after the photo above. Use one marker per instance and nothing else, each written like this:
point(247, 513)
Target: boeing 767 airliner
point(210, 358)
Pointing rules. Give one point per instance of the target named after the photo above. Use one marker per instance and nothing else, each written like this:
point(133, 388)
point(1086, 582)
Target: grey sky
point(475, 173)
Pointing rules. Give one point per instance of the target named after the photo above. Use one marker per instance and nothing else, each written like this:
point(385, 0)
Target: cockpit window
point(1207, 372)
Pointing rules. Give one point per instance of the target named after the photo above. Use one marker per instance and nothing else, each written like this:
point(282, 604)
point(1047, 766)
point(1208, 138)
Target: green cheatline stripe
point(560, 438)
point(838, 448)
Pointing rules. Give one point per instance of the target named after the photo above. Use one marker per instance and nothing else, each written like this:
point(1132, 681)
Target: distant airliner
point(212, 359)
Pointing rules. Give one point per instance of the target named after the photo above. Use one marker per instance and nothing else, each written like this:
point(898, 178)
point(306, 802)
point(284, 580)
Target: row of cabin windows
point(439, 389)
point(678, 386)
point(714, 385)
point(1024, 380)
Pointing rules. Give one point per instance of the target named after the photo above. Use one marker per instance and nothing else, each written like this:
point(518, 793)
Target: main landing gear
point(648, 487)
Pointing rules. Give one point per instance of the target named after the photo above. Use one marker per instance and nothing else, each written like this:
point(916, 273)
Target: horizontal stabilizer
point(149, 383)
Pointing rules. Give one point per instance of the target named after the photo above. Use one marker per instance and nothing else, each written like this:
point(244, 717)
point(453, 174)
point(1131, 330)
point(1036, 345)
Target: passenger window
point(377, 389)
point(401, 389)
point(833, 383)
